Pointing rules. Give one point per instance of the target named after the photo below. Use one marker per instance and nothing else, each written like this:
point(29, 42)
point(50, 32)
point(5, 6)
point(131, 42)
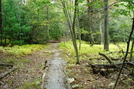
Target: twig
point(108, 59)
point(3, 64)
point(7, 72)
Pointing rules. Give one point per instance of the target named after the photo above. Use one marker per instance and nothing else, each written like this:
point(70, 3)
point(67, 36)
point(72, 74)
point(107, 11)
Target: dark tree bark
point(106, 43)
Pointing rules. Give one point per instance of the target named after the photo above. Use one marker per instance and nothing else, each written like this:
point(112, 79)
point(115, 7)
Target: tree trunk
point(131, 53)
point(106, 43)
point(71, 26)
point(74, 34)
point(79, 30)
point(100, 27)
point(0, 22)
point(47, 26)
point(89, 24)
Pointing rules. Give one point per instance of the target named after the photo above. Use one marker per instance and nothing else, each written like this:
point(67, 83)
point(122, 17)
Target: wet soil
point(54, 76)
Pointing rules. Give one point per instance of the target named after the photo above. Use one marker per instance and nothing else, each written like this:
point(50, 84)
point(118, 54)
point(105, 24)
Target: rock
point(74, 86)
point(111, 85)
point(70, 80)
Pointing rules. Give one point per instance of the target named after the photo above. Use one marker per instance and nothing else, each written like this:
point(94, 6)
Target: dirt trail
point(54, 76)
point(29, 76)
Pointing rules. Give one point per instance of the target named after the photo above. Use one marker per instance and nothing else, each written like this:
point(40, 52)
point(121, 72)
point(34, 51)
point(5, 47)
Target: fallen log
point(2, 75)
point(4, 64)
point(108, 59)
point(114, 65)
point(104, 68)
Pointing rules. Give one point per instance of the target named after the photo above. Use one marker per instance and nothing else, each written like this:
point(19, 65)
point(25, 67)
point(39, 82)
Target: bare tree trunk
point(71, 25)
point(73, 28)
point(47, 26)
point(0, 22)
point(106, 43)
point(132, 47)
point(100, 27)
point(89, 24)
point(79, 31)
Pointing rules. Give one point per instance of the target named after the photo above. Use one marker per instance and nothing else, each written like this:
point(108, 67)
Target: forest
point(94, 39)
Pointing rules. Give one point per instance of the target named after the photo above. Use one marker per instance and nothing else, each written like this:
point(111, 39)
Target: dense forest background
point(39, 21)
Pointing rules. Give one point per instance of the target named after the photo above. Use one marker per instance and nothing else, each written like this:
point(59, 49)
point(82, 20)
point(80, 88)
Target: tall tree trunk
point(106, 38)
point(0, 22)
point(47, 26)
point(100, 27)
point(89, 24)
point(71, 26)
point(73, 29)
point(79, 31)
point(132, 47)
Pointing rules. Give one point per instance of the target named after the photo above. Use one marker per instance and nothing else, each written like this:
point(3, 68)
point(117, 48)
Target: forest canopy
point(39, 21)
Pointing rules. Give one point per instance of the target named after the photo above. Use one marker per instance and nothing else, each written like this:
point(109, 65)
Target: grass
point(91, 52)
point(15, 53)
point(33, 85)
point(86, 53)
point(22, 50)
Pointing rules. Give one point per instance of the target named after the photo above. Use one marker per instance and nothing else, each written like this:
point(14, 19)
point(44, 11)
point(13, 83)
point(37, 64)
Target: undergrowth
point(15, 53)
point(21, 50)
point(33, 85)
point(89, 52)
point(82, 75)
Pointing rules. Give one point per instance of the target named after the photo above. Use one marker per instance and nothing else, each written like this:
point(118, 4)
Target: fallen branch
point(114, 65)
point(3, 64)
point(7, 72)
point(105, 69)
point(108, 59)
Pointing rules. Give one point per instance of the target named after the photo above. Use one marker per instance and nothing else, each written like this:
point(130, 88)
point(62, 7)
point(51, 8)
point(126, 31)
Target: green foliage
point(88, 52)
point(16, 52)
point(21, 50)
point(33, 85)
point(29, 22)
point(15, 26)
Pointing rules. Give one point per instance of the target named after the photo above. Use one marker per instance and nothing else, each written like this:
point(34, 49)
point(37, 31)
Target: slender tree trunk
point(132, 47)
point(0, 22)
point(100, 27)
point(106, 38)
point(71, 26)
point(79, 30)
point(89, 24)
point(47, 26)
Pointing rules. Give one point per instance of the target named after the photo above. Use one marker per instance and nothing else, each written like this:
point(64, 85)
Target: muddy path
point(29, 76)
point(54, 76)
